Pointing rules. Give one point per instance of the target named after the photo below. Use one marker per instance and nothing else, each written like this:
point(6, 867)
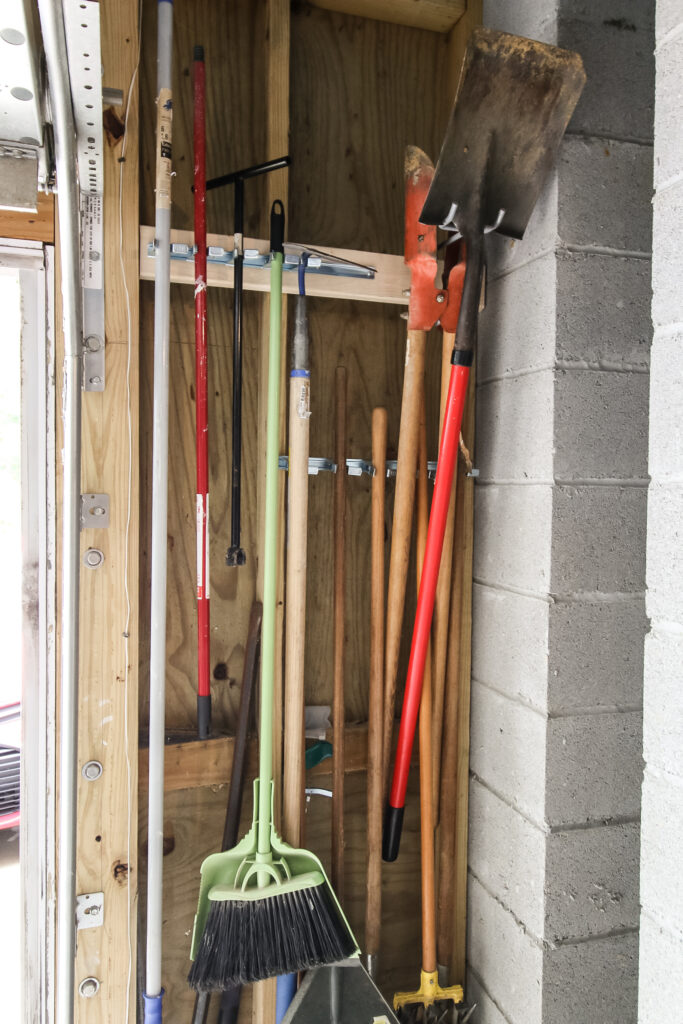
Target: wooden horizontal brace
point(390, 283)
point(437, 15)
point(209, 762)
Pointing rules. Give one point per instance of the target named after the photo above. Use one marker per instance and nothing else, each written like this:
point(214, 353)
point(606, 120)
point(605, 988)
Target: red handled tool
point(201, 389)
point(514, 101)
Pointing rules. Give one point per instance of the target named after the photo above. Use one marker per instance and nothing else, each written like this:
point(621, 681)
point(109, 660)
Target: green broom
point(265, 908)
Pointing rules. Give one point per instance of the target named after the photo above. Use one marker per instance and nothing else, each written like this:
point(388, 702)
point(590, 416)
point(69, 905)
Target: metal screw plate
point(90, 910)
point(94, 511)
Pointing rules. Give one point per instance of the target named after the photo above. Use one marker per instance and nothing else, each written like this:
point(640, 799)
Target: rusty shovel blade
point(514, 100)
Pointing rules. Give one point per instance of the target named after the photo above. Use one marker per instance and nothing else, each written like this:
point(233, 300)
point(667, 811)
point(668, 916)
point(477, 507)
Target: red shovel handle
point(448, 454)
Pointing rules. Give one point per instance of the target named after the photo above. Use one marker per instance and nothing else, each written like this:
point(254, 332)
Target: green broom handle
point(270, 544)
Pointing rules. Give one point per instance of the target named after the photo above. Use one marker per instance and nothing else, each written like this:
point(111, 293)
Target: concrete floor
point(10, 946)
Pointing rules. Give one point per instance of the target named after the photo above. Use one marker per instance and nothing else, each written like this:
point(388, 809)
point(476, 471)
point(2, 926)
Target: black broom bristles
point(250, 940)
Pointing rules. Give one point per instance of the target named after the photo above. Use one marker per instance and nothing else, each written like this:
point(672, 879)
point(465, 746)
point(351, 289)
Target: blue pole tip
point(153, 1011)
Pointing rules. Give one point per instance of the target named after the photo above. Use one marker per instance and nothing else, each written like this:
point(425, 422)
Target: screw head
point(91, 770)
point(441, 297)
point(89, 987)
point(93, 343)
point(95, 380)
point(93, 558)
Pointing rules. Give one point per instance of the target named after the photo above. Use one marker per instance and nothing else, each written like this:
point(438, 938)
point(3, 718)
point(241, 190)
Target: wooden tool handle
point(404, 495)
point(426, 785)
point(373, 907)
point(295, 621)
point(443, 594)
point(338, 706)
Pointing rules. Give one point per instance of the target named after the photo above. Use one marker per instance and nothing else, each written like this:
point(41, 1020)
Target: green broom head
point(261, 915)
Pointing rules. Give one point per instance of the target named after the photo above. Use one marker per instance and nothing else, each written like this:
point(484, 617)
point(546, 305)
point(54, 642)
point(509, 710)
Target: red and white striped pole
point(201, 390)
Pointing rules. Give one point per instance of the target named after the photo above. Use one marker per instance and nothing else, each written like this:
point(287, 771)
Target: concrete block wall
point(661, 878)
point(559, 606)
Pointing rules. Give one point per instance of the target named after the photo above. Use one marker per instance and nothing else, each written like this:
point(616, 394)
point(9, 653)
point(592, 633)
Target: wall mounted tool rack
point(333, 273)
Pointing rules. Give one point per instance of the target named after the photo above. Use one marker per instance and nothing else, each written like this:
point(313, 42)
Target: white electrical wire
point(126, 631)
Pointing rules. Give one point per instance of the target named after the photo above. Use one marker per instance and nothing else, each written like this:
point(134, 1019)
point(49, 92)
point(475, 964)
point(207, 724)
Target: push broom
point(264, 907)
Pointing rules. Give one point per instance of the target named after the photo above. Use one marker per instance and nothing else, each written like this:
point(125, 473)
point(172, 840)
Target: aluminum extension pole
point(54, 41)
point(157, 660)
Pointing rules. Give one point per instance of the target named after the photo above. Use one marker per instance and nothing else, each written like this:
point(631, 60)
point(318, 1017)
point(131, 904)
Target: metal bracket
point(392, 465)
point(356, 467)
point(90, 910)
point(315, 466)
point(82, 29)
point(94, 511)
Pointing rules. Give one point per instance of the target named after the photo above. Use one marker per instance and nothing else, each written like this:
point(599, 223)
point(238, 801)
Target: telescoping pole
point(157, 660)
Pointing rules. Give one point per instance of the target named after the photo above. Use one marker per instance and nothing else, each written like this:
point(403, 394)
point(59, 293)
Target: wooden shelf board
point(390, 283)
point(191, 763)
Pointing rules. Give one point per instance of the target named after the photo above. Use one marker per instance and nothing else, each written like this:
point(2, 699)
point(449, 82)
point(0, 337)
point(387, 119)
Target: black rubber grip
point(204, 716)
point(462, 357)
point(277, 227)
point(391, 837)
point(198, 53)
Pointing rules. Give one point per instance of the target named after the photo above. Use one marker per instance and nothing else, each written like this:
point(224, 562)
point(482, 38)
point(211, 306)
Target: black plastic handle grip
point(391, 837)
point(277, 227)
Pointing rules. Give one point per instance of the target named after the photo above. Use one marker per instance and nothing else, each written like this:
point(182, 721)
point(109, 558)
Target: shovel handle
point(373, 907)
point(426, 782)
point(338, 703)
point(448, 454)
point(295, 621)
point(404, 495)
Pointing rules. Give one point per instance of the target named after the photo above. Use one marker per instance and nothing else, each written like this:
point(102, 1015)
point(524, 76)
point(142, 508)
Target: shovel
point(514, 101)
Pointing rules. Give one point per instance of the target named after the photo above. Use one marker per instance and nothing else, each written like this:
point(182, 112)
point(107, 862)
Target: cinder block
point(510, 643)
point(591, 882)
point(524, 18)
point(662, 703)
point(618, 57)
point(634, 13)
point(500, 952)
point(661, 879)
point(593, 768)
point(508, 750)
point(667, 257)
point(512, 538)
point(593, 982)
point(660, 992)
point(600, 425)
point(669, 17)
point(602, 194)
point(665, 553)
point(516, 330)
point(596, 653)
point(669, 99)
point(603, 310)
point(666, 402)
point(515, 428)
point(486, 1012)
point(540, 237)
point(598, 539)
point(507, 854)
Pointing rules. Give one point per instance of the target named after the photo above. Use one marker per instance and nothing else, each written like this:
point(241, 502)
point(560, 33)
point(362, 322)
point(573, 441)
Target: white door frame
point(35, 264)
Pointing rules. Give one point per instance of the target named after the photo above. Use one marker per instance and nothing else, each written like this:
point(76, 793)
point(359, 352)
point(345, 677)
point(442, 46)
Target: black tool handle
point(236, 554)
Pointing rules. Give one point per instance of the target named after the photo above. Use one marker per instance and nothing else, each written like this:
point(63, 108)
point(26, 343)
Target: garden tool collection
point(265, 905)
point(513, 103)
